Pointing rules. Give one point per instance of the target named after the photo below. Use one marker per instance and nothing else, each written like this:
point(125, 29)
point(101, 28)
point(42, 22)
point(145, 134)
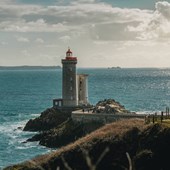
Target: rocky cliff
point(65, 133)
point(118, 145)
point(58, 129)
point(48, 119)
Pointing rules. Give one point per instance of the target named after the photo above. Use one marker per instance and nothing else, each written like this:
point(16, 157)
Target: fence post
point(153, 118)
point(156, 116)
point(162, 114)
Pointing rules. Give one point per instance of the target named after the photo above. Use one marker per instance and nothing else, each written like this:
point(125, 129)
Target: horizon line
point(107, 67)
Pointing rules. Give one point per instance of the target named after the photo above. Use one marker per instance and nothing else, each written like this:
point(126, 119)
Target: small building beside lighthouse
point(74, 86)
point(82, 84)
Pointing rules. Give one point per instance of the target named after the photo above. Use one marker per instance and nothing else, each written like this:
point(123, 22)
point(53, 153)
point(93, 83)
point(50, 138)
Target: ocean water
point(24, 93)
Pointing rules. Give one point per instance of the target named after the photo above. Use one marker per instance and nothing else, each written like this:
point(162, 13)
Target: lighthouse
point(74, 86)
point(69, 82)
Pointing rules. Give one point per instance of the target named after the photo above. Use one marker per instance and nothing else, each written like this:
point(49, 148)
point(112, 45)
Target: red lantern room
point(69, 55)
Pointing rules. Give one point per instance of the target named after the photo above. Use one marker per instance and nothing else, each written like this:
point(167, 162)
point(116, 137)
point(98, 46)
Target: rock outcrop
point(48, 119)
point(110, 106)
point(110, 147)
point(52, 117)
point(58, 129)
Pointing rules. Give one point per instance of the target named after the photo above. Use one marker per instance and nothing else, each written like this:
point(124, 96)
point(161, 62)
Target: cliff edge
point(67, 132)
point(47, 120)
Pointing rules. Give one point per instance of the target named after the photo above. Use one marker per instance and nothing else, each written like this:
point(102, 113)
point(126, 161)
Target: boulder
point(110, 106)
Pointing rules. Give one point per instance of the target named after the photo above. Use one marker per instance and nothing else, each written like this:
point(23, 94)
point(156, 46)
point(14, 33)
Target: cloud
point(84, 1)
point(26, 53)
point(3, 43)
point(7, 2)
point(39, 40)
point(75, 17)
point(155, 27)
point(22, 39)
point(65, 38)
point(39, 25)
point(96, 20)
point(163, 9)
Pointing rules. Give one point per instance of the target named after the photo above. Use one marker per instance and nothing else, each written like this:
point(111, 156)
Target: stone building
point(82, 85)
point(69, 84)
point(74, 86)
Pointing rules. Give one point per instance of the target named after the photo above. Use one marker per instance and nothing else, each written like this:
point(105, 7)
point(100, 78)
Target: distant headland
point(30, 67)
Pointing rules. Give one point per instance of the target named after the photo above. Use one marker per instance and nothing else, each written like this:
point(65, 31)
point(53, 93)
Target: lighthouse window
point(80, 84)
point(71, 88)
point(71, 97)
point(71, 78)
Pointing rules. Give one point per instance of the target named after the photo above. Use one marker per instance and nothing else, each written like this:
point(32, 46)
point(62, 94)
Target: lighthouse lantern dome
point(69, 53)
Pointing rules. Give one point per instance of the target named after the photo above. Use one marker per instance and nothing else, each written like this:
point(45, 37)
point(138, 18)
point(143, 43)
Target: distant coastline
point(29, 67)
point(114, 67)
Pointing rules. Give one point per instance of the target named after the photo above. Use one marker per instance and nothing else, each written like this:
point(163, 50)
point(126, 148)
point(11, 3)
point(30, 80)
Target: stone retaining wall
point(106, 118)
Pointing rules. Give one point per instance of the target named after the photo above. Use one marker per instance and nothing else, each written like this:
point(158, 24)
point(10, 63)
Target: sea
point(25, 93)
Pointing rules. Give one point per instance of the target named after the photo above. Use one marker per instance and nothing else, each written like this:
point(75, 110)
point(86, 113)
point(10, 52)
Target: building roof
point(69, 51)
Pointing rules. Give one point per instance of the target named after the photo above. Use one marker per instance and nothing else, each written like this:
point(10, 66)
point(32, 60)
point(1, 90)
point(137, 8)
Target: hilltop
point(110, 147)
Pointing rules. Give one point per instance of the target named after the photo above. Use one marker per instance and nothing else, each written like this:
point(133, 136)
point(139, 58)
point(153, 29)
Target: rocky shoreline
point(57, 129)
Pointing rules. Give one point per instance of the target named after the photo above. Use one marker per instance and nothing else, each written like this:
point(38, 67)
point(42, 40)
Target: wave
point(35, 115)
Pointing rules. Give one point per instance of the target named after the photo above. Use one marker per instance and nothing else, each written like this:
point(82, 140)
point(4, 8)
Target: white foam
point(28, 145)
point(35, 115)
point(13, 135)
point(149, 112)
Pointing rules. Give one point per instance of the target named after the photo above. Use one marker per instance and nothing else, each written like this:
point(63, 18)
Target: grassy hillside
point(65, 133)
point(116, 146)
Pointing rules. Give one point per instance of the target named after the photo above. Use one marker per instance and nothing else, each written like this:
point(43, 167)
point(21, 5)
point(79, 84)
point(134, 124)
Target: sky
point(100, 33)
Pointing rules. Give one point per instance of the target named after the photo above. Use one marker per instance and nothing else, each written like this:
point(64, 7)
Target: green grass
point(165, 121)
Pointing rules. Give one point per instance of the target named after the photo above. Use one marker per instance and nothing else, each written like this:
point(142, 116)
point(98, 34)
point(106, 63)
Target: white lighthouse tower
point(69, 86)
point(74, 86)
